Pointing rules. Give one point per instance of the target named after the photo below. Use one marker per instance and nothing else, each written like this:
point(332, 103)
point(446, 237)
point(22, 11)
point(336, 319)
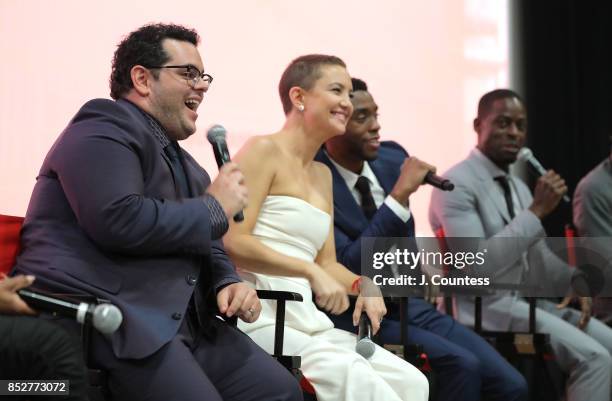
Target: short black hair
point(303, 72)
point(359, 85)
point(144, 47)
point(486, 101)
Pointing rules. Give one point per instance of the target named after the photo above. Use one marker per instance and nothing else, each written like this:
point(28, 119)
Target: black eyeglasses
point(192, 75)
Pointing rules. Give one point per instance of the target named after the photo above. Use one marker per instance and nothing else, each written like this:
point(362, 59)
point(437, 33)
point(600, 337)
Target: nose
point(200, 84)
point(375, 125)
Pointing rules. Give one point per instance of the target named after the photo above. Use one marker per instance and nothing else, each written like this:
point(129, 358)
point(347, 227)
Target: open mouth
point(192, 104)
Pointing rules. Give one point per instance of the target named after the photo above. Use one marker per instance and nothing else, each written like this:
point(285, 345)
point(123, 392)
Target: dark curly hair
point(144, 47)
point(303, 72)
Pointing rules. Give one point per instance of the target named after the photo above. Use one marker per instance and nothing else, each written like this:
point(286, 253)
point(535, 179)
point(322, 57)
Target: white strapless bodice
point(296, 228)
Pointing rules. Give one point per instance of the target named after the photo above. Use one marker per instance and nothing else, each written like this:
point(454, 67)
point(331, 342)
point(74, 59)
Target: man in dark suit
point(121, 212)
point(372, 184)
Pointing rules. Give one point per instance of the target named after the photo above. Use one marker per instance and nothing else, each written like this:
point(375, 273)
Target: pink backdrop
point(426, 63)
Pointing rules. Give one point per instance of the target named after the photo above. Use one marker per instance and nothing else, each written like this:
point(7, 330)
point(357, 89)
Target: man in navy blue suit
point(372, 182)
point(119, 211)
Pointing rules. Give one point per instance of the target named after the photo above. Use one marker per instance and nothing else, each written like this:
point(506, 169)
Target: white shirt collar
point(351, 178)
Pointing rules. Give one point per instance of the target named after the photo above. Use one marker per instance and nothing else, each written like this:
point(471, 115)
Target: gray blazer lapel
point(490, 189)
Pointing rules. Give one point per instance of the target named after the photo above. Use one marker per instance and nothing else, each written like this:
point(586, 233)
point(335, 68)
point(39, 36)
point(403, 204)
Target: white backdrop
point(426, 62)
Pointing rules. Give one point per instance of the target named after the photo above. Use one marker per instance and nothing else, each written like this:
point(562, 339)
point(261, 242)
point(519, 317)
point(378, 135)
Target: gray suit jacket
point(516, 247)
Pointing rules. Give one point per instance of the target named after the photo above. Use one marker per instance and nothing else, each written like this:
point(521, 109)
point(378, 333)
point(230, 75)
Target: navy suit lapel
point(347, 212)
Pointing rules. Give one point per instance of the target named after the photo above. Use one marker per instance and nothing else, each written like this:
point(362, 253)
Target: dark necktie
point(503, 181)
point(367, 200)
point(182, 186)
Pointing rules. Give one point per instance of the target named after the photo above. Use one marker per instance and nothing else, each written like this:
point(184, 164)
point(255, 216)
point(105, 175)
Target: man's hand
point(229, 189)
point(371, 301)
point(412, 174)
point(10, 301)
point(241, 300)
point(549, 190)
point(586, 304)
point(329, 294)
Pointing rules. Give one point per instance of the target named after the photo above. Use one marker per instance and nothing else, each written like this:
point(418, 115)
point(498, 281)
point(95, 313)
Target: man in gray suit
point(490, 203)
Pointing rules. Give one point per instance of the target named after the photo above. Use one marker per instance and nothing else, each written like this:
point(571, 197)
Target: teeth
point(192, 104)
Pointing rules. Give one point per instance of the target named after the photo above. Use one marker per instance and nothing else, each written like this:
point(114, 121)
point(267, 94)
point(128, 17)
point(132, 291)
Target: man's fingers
point(236, 301)
point(16, 283)
point(222, 299)
point(564, 303)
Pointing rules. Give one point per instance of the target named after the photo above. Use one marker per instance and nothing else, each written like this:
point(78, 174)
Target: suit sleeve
point(99, 162)
point(458, 213)
point(223, 271)
point(384, 223)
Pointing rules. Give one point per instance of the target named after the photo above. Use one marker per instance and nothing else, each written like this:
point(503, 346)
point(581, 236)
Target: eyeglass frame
point(194, 81)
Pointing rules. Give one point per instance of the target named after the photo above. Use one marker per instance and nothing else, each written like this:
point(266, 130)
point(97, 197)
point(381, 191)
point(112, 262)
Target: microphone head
point(524, 154)
point(216, 133)
point(107, 318)
point(365, 347)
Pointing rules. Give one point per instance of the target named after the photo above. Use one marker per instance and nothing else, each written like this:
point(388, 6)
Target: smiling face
point(327, 104)
point(502, 131)
point(172, 100)
point(361, 140)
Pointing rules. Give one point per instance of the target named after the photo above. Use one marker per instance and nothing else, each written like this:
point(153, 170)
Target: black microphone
point(526, 155)
point(365, 346)
point(438, 182)
point(106, 318)
point(216, 137)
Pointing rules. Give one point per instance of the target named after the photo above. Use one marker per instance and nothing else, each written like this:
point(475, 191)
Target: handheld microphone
point(526, 155)
point(216, 137)
point(438, 182)
point(365, 346)
point(106, 318)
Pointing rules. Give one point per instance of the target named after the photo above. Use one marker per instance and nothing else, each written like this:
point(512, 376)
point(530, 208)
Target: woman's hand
point(371, 301)
point(329, 294)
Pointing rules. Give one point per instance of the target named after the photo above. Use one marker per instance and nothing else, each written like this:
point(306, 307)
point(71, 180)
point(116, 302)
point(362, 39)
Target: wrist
point(402, 199)
point(356, 285)
point(537, 211)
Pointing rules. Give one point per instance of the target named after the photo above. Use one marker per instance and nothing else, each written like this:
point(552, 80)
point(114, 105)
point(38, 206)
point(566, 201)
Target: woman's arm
point(369, 297)
point(258, 160)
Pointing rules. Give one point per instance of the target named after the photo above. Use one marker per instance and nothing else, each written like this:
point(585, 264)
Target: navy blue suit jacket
point(350, 223)
point(105, 219)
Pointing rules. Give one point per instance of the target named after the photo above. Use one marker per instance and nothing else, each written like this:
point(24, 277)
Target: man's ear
point(476, 124)
point(141, 78)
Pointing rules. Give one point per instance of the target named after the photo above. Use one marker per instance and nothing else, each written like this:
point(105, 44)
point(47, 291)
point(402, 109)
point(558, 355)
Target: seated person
point(286, 242)
point(490, 203)
point(467, 366)
point(119, 211)
point(36, 349)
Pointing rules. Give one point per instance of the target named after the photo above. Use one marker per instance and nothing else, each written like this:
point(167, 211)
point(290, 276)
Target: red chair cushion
point(10, 227)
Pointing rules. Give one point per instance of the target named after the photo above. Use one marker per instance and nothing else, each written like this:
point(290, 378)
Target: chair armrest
point(280, 295)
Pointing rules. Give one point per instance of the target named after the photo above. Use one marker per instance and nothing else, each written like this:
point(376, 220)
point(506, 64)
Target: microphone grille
point(215, 133)
point(365, 347)
point(524, 154)
point(107, 318)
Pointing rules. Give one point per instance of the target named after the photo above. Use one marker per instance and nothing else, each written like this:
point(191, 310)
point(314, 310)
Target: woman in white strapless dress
point(286, 243)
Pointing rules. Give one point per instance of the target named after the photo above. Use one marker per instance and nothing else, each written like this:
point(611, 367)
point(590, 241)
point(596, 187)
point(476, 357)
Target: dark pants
point(213, 364)
point(468, 368)
point(36, 349)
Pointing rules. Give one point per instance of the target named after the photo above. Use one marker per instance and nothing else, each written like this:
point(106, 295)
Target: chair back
point(10, 229)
